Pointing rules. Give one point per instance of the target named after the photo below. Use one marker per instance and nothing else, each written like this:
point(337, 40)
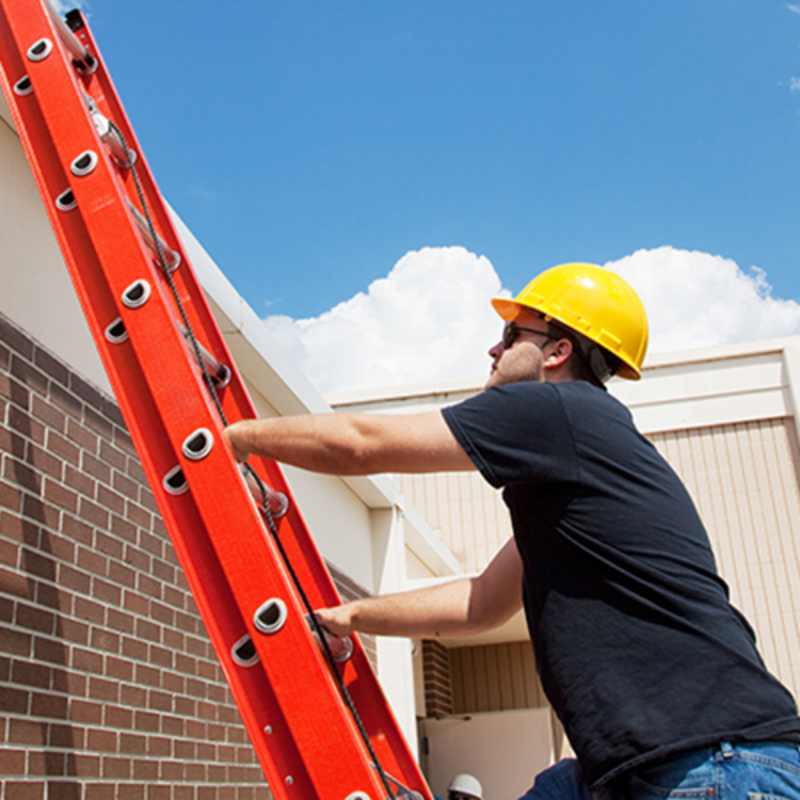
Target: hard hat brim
point(508, 309)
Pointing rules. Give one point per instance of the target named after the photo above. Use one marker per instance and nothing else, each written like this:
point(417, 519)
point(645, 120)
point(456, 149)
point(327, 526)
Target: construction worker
point(465, 787)
point(654, 675)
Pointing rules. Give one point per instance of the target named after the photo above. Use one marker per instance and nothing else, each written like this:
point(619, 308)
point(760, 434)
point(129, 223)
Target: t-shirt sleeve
point(516, 433)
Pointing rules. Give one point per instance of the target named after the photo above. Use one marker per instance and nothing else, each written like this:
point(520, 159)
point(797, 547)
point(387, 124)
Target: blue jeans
point(757, 771)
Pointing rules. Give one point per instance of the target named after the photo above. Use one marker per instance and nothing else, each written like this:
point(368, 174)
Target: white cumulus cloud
point(430, 319)
point(697, 300)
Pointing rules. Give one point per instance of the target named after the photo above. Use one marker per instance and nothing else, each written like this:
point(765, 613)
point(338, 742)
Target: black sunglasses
point(512, 331)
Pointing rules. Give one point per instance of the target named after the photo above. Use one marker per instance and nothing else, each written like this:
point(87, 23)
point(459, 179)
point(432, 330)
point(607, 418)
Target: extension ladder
point(321, 727)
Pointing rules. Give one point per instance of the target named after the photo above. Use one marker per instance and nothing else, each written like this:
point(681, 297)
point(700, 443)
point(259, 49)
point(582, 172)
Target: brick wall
point(109, 687)
point(438, 686)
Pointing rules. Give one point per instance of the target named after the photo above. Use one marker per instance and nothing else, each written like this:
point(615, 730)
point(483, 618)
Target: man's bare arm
point(462, 607)
point(353, 444)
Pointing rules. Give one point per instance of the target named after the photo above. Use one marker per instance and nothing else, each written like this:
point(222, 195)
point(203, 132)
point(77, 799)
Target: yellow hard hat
point(592, 301)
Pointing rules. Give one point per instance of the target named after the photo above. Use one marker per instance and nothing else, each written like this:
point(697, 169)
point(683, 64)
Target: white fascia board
point(412, 398)
point(717, 386)
point(792, 366)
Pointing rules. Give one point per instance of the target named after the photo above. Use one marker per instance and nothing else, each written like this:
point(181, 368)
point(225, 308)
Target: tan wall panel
point(468, 514)
point(494, 678)
point(744, 480)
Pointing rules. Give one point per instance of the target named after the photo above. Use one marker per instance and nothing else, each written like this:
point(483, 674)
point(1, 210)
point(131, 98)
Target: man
point(655, 677)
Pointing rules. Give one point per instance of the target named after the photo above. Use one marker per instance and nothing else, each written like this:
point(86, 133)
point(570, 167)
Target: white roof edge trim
point(719, 353)
point(655, 362)
point(409, 391)
point(792, 365)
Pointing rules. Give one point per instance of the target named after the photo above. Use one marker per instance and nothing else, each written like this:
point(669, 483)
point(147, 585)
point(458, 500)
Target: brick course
point(438, 688)
point(109, 687)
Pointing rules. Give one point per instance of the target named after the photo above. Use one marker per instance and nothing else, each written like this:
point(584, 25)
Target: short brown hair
point(588, 362)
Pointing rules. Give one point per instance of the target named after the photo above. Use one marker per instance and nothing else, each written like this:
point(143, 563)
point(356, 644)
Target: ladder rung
point(154, 242)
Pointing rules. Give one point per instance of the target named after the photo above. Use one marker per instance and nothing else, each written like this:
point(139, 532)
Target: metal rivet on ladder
point(244, 652)
point(270, 616)
point(66, 201)
point(39, 51)
point(84, 163)
point(174, 481)
point(198, 444)
point(116, 333)
point(23, 86)
point(358, 796)
point(137, 294)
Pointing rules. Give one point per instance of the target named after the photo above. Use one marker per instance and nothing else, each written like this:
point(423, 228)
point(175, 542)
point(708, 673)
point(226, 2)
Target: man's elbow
point(488, 611)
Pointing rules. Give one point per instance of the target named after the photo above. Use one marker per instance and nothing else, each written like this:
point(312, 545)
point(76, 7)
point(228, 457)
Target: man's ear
point(560, 354)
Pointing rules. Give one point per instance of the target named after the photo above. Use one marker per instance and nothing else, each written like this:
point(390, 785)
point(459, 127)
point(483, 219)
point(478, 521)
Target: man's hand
point(238, 439)
point(337, 621)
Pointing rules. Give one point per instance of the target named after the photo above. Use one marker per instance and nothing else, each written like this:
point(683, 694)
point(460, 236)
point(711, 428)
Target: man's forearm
point(447, 610)
point(460, 607)
point(318, 443)
point(352, 444)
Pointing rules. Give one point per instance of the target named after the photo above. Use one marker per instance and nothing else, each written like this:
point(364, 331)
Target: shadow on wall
point(37, 702)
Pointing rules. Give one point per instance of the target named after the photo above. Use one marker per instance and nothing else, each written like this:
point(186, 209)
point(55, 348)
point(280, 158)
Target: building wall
point(464, 510)
point(109, 685)
point(495, 677)
point(744, 480)
point(504, 750)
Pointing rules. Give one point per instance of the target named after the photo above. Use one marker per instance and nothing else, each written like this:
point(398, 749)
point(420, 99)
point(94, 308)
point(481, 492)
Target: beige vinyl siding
point(467, 513)
point(498, 677)
point(744, 480)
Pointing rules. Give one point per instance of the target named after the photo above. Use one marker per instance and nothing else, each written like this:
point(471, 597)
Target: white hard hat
point(466, 784)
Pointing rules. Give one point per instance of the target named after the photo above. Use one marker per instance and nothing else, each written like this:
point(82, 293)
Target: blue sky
point(310, 145)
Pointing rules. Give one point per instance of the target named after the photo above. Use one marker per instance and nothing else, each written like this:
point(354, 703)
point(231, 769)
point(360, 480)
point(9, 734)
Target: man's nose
point(496, 350)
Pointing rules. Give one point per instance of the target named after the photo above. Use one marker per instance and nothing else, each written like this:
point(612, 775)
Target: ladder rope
point(318, 629)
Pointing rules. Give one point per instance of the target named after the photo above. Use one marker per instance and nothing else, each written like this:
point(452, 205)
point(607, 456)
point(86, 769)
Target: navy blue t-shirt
point(638, 649)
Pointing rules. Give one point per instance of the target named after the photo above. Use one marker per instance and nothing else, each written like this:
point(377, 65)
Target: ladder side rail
point(311, 570)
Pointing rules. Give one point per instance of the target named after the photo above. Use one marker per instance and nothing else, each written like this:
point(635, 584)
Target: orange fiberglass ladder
point(321, 727)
